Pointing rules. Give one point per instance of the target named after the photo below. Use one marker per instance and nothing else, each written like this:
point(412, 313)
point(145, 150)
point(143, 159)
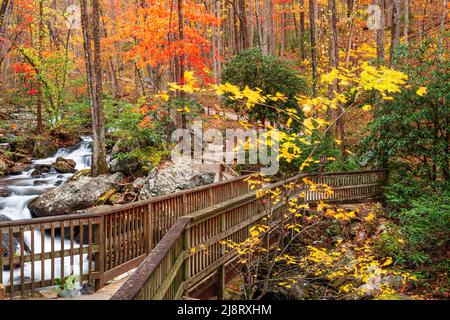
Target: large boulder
point(64, 165)
point(75, 195)
point(182, 175)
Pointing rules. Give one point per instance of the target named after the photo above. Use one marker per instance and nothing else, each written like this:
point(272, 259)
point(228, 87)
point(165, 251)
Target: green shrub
point(253, 69)
point(426, 227)
point(390, 243)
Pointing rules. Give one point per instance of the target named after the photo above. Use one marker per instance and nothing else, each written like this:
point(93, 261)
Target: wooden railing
point(173, 269)
point(99, 245)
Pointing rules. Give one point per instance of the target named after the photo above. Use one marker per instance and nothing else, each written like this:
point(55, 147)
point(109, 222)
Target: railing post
point(221, 282)
point(187, 250)
point(185, 210)
point(99, 258)
point(220, 286)
point(149, 235)
point(210, 197)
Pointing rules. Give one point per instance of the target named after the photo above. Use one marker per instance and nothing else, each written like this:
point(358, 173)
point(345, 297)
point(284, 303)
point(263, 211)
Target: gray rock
point(116, 166)
point(73, 196)
point(138, 184)
point(393, 281)
point(180, 176)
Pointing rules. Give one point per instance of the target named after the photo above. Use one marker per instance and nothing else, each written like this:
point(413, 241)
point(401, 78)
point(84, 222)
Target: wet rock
point(64, 165)
point(36, 174)
point(180, 176)
point(5, 193)
point(73, 196)
point(18, 168)
point(39, 182)
point(59, 183)
point(44, 168)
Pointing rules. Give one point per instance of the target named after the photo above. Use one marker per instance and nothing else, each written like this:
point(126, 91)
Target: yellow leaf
point(367, 107)
point(421, 91)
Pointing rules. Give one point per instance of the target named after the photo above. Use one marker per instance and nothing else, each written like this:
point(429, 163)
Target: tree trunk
point(395, 30)
point(442, 28)
point(313, 47)
point(243, 25)
point(258, 23)
point(182, 59)
point(94, 81)
point(265, 28)
point(2, 13)
point(380, 33)
point(349, 7)
point(406, 22)
point(302, 30)
point(39, 125)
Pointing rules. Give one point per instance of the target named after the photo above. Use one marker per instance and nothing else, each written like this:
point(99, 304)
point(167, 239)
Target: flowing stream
point(24, 188)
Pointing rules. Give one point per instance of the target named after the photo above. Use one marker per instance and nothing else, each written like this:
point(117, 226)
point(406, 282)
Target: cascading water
point(24, 188)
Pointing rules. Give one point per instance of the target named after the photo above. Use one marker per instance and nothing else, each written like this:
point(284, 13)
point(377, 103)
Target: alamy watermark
point(73, 16)
point(236, 146)
point(374, 11)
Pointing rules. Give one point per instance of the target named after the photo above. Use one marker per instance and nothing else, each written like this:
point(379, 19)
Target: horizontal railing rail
point(173, 269)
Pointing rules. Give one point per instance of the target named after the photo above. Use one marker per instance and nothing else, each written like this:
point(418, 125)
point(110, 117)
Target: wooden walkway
point(154, 235)
point(174, 271)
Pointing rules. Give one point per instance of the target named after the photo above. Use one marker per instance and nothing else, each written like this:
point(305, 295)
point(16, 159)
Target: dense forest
point(94, 93)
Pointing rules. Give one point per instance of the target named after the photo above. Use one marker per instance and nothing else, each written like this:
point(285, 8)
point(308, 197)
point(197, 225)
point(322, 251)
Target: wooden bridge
point(156, 236)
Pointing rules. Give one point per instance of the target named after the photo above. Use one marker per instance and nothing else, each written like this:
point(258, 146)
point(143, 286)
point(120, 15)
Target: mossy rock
point(106, 196)
point(80, 174)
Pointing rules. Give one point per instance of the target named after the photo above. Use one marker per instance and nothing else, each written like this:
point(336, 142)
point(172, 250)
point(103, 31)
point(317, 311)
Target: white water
point(24, 190)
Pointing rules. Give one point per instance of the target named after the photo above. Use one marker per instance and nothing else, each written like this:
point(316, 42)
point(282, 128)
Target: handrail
point(104, 211)
point(172, 269)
